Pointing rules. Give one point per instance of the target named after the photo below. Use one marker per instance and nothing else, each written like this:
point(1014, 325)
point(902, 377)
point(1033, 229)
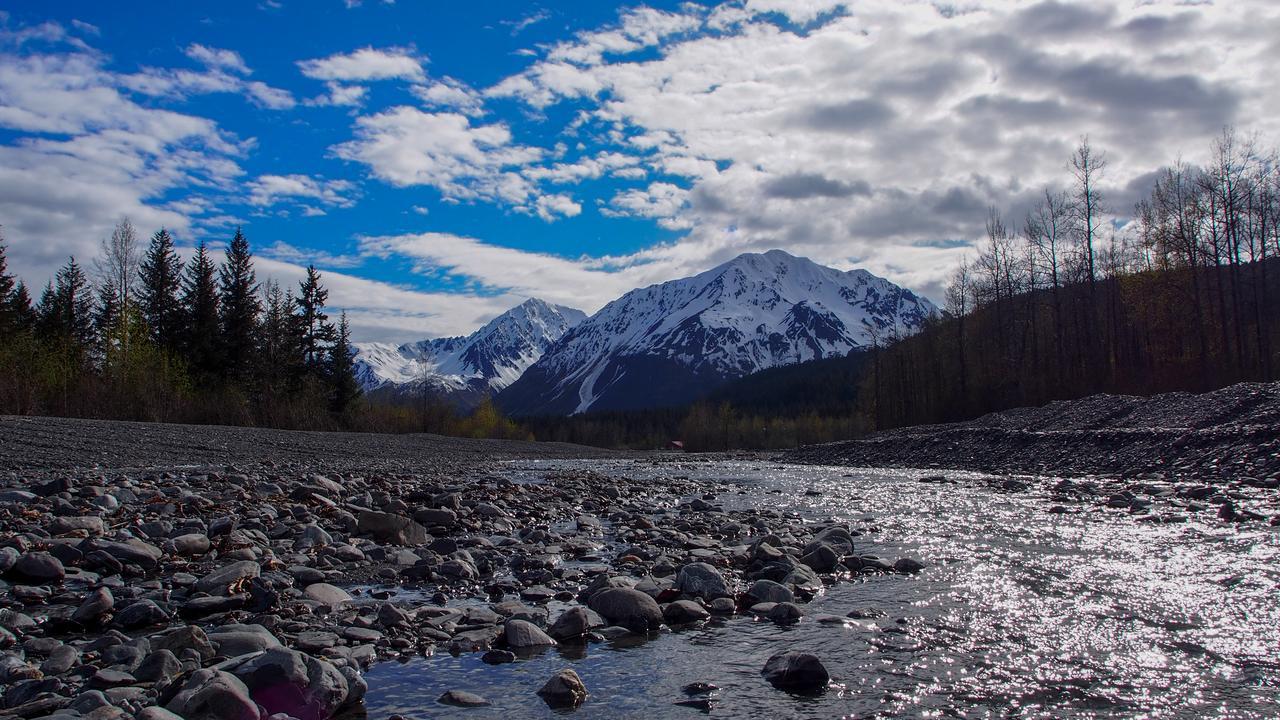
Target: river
point(1021, 612)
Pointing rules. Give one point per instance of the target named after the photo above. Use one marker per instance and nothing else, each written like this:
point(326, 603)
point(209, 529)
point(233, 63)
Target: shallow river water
point(1020, 613)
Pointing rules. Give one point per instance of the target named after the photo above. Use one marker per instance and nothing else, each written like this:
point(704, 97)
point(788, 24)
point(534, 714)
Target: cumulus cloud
point(268, 190)
point(366, 64)
point(218, 58)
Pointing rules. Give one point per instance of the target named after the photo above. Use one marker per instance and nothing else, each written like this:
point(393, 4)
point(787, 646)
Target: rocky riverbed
point(233, 581)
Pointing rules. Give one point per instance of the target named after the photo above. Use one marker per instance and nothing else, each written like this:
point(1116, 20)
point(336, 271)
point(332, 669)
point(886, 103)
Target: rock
point(236, 640)
point(684, 611)
point(62, 659)
point(572, 623)
point(287, 681)
point(390, 616)
point(628, 608)
point(213, 695)
point(433, 517)
point(222, 580)
point(702, 580)
point(498, 657)
point(390, 528)
point(191, 544)
point(188, 637)
point(142, 613)
point(91, 524)
point(157, 713)
point(327, 594)
point(132, 552)
point(822, 558)
point(796, 672)
point(785, 613)
point(38, 568)
point(159, 667)
point(462, 698)
point(908, 566)
point(769, 591)
point(95, 607)
point(564, 690)
point(523, 634)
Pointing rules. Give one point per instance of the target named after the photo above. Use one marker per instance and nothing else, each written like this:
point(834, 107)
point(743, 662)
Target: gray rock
point(188, 637)
point(822, 558)
point(702, 580)
point(770, 591)
point(191, 544)
point(523, 634)
point(133, 552)
point(95, 607)
point(156, 713)
point(908, 566)
point(785, 613)
point(796, 672)
point(61, 660)
point(327, 594)
point(462, 698)
point(213, 695)
point(142, 613)
point(220, 581)
point(92, 524)
point(684, 611)
point(236, 640)
point(443, 517)
point(391, 528)
point(38, 568)
point(159, 667)
point(628, 608)
point(287, 681)
point(564, 690)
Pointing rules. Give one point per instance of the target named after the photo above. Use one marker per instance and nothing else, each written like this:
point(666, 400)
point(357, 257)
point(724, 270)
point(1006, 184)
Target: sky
point(441, 162)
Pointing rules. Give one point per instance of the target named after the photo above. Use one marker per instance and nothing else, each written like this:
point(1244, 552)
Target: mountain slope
point(670, 343)
point(468, 367)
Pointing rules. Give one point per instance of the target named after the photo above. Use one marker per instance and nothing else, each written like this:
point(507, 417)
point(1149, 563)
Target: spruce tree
point(280, 344)
point(106, 318)
point(315, 329)
point(161, 281)
point(345, 391)
point(8, 314)
point(200, 313)
point(66, 309)
point(23, 314)
point(239, 309)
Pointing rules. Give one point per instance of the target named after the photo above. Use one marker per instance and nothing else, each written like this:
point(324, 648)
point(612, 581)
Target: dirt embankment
point(1229, 434)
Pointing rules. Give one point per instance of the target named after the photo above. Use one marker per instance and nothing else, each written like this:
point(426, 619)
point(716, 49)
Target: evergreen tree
point(316, 331)
point(200, 312)
point(107, 316)
point(280, 345)
point(23, 314)
point(66, 309)
point(342, 379)
point(161, 281)
point(8, 313)
point(239, 309)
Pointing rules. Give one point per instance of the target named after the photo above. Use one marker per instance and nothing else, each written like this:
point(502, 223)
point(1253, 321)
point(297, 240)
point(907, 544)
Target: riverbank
point(1230, 435)
point(230, 572)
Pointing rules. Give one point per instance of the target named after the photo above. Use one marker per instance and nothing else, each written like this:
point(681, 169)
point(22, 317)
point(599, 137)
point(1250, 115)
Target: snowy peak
point(669, 343)
point(487, 360)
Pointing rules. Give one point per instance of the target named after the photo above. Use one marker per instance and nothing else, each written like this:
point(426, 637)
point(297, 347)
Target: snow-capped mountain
point(670, 343)
point(483, 362)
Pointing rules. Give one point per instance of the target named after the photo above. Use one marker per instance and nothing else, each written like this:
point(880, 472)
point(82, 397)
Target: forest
point(140, 335)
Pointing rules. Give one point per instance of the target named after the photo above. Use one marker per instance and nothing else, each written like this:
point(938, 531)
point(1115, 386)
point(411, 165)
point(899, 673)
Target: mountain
point(472, 367)
point(671, 343)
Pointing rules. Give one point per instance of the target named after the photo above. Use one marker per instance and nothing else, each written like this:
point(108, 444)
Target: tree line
point(1066, 302)
point(141, 335)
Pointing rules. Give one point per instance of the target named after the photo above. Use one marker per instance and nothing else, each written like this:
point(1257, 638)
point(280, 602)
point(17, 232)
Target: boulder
point(796, 672)
point(287, 681)
point(213, 695)
point(564, 690)
point(391, 528)
point(701, 580)
point(38, 568)
point(628, 608)
point(462, 698)
point(769, 591)
point(220, 581)
point(523, 634)
point(684, 611)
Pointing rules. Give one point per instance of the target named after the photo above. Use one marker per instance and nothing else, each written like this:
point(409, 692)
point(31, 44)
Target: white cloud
point(405, 146)
point(217, 58)
point(268, 190)
point(550, 206)
point(366, 64)
point(341, 95)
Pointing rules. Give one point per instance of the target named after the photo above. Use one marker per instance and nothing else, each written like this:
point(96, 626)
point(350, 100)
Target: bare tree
point(117, 267)
point(1087, 165)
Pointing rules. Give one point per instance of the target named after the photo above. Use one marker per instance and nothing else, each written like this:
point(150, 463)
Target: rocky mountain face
point(670, 343)
point(466, 369)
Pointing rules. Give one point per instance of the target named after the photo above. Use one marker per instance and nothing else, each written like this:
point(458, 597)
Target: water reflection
point(1022, 613)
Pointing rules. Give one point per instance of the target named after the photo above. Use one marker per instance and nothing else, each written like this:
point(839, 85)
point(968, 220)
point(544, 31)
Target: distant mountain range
point(671, 343)
point(467, 369)
point(663, 345)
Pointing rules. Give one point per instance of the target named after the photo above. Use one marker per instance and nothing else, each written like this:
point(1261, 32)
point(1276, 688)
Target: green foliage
point(200, 315)
point(160, 277)
point(238, 310)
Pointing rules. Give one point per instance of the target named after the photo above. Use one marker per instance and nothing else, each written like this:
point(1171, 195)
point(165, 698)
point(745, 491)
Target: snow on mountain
point(485, 361)
point(670, 343)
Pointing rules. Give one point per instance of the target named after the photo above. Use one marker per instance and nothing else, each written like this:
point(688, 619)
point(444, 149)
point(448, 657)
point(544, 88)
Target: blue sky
point(442, 161)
